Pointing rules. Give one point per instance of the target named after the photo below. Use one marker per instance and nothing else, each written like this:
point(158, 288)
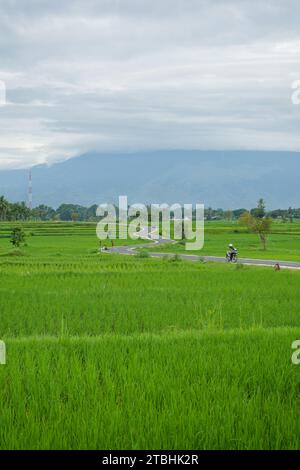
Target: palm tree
point(4, 205)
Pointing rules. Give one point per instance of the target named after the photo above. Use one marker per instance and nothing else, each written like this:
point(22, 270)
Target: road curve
point(130, 250)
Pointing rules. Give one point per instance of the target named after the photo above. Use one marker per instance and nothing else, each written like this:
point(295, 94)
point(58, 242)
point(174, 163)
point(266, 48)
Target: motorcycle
point(232, 257)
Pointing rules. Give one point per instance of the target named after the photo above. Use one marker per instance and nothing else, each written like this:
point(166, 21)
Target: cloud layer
point(131, 75)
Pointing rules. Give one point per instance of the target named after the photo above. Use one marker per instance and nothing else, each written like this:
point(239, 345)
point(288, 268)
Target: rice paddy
point(112, 352)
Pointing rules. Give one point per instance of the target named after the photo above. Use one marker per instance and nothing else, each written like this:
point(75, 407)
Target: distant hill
point(219, 179)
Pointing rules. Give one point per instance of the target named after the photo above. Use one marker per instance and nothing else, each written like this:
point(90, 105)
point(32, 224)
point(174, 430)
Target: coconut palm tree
point(4, 205)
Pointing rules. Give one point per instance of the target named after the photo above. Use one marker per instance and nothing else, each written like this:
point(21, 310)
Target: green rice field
point(113, 352)
point(283, 241)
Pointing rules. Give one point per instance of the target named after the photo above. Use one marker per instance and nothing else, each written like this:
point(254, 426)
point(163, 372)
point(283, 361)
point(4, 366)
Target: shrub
point(143, 254)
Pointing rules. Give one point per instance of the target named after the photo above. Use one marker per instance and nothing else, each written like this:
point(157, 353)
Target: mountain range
point(226, 179)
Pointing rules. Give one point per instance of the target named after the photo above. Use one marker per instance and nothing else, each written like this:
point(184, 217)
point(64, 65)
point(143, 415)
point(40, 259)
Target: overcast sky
point(133, 75)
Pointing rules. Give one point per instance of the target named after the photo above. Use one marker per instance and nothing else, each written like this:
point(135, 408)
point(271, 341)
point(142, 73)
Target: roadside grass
point(283, 242)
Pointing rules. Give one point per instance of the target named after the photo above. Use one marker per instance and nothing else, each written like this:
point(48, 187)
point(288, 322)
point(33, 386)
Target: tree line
point(286, 215)
point(11, 211)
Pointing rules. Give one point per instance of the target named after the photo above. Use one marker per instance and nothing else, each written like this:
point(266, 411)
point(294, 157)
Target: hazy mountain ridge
point(218, 179)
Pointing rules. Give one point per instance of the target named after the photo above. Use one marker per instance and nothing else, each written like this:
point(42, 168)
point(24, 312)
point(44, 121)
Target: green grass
point(283, 243)
point(56, 239)
point(116, 352)
point(194, 390)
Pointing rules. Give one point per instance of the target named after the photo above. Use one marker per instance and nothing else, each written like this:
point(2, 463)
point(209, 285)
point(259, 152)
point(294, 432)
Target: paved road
point(130, 250)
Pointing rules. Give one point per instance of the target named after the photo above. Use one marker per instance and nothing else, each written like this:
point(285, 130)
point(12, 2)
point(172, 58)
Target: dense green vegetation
point(76, 212)
point(105, 351)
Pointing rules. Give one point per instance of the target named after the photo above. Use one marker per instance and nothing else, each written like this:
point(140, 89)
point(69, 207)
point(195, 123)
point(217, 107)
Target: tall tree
point(258, 222)
point(4, 206)
point(260, 211)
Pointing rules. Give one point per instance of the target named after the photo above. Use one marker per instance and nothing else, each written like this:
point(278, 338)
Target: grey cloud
point(133, 75)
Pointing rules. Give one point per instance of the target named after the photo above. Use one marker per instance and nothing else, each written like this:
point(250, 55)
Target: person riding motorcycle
point(232, 251)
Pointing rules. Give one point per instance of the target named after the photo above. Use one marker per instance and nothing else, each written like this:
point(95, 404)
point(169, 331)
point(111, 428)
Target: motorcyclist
point(232, 251)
